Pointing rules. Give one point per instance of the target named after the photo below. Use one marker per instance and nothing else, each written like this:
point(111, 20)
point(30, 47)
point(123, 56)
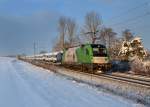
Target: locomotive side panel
point(84, 54)
point(70, 56)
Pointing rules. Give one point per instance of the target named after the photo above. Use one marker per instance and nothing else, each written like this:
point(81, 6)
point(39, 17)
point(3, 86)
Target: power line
point(143, 27)
point(135, 27)
point(129, 10)
point(131, 19)
point(130, 24)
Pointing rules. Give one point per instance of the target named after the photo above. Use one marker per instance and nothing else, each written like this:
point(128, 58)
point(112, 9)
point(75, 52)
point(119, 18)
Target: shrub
point(140, 67)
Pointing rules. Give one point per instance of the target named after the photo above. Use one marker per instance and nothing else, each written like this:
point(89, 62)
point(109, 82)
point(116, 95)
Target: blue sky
point(23, 22)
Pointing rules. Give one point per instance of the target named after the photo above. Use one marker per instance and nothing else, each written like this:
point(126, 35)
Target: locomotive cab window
point(99, 50)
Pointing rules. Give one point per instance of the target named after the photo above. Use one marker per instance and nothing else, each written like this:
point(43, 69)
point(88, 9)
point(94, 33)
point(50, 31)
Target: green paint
point(84, 54)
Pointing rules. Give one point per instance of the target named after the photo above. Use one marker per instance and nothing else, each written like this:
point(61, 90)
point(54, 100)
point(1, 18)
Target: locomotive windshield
point(99, 50)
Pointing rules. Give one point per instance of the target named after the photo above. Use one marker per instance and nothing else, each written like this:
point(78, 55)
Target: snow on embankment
point(131, 91)
point(24, 85)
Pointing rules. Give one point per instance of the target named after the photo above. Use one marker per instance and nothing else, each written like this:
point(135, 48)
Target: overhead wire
point(129, 10)
point(131, 19)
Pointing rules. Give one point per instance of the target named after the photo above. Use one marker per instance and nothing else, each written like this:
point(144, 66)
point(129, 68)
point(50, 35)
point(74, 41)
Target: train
point(87, 57)
point(53, 57)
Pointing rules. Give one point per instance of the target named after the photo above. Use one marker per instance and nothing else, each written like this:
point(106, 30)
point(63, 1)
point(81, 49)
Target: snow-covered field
point(24, 85)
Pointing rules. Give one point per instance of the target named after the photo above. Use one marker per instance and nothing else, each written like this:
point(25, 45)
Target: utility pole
point(34, 48)
point(63, 40)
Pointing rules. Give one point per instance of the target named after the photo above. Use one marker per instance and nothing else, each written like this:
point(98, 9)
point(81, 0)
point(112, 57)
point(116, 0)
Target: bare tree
point(67, 31)
point(62, 27)
point(58, 45)
point(71, 30)
point(103, 36)
point(108, 35)
point(92, 25)
point(127, 35)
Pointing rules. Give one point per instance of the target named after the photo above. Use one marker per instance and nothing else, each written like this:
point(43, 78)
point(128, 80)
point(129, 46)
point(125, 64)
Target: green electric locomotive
point(89, 57)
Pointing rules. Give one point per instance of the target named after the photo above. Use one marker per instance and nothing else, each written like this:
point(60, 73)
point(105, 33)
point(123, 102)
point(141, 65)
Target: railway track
point(131, 79)
point(133, 76)
point(137, 80)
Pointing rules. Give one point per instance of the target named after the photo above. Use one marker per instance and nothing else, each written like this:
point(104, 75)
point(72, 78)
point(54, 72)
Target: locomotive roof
point(92, 45)
point(98, 45)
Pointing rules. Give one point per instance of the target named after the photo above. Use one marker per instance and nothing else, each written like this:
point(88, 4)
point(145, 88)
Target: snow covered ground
point(24, 85)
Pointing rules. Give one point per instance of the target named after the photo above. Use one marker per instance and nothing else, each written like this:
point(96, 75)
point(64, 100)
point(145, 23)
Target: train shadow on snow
point(120, 66)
